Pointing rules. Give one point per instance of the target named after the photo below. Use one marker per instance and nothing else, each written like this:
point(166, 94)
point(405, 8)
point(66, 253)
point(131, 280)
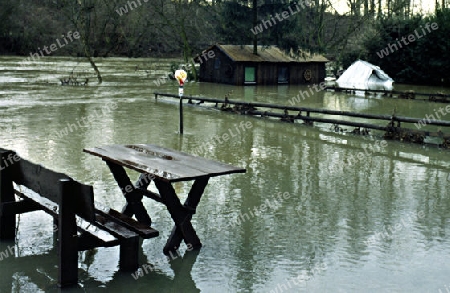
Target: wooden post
point(181, 76)
point(67, 234)
point(7, 221)
point(129, 254)
point(181, 113)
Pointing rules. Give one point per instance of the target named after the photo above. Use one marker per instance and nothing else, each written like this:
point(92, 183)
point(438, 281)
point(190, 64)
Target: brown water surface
point(317, 212)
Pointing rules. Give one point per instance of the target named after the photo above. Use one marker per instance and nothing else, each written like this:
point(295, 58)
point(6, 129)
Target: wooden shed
point(237, 65)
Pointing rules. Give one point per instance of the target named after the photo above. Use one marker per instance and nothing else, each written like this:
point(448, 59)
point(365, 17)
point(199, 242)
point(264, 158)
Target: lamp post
point(181, 76)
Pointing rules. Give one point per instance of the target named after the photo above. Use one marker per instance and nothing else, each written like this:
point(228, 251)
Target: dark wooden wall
point(225, 73)
point(297, 72)
point(221, 69)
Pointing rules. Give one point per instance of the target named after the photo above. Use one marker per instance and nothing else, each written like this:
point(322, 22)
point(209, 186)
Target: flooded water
point(318, 211)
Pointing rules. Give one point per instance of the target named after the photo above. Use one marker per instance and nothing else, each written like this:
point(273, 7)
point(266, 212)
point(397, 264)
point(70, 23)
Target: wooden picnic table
point(163, 166)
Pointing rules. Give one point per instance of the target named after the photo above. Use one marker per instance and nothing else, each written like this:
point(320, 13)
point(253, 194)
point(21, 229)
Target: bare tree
point(79, 13)
point(355, 7)
point(174, 18)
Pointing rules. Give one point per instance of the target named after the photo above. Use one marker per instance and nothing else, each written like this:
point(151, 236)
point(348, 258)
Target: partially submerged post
point(181, 75)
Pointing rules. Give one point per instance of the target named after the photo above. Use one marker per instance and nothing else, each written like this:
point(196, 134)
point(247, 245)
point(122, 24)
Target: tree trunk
point(99, 76)
point(187, 51)
point(379, 10)
point(372, 7)
point(255, 20)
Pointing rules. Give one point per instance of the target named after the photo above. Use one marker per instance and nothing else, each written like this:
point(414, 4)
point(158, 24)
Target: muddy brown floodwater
point(306, 217)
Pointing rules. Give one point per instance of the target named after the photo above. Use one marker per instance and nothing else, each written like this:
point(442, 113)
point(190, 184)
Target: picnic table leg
point(191, 202)
point(182, 215)
point(134, 204)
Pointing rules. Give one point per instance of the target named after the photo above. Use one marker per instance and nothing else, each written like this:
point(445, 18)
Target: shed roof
point(244, 53)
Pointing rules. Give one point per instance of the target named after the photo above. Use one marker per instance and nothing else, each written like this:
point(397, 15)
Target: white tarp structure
point(365, 76)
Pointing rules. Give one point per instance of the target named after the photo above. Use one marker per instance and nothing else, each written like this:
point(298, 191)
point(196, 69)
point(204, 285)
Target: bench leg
point(7, 221)
point(129, 254)
point(67, 234)
point(183, 229)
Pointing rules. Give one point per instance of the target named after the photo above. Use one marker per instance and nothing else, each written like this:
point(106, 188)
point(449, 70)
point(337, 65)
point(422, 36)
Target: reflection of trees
point(334, 208)
point(176, 26)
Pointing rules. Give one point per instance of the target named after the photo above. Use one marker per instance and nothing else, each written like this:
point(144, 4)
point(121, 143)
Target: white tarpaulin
point(365, 76)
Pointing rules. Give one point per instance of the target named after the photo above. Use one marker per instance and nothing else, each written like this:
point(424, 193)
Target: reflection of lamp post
point(181, 75)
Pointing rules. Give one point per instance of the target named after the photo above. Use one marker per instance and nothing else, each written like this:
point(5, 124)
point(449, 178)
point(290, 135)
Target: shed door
point(283, 74)
point(250, 76)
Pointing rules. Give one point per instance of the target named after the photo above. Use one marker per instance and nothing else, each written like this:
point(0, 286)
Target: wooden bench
point(82, 223)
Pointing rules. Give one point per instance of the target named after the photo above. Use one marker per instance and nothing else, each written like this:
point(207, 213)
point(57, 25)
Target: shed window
point(283, 74)
point(217, 63)
point(250, 74)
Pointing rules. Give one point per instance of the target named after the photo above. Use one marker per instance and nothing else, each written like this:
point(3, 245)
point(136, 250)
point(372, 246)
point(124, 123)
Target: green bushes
point(412, 50)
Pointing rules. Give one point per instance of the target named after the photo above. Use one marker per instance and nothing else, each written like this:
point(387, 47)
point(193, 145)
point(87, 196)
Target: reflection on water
point(375, 224)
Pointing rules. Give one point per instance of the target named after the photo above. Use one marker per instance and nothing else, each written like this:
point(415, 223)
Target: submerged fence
point(432, 97)
point(392, 128)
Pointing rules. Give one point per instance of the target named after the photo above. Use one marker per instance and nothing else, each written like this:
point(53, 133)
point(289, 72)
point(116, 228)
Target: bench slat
point(39, 179)
point(47, 205)
point(86, 241)
point(45, 182)
point(143, 230)
point(113, 228)
point(116, 226)
point(18, 207)
point(104, 238)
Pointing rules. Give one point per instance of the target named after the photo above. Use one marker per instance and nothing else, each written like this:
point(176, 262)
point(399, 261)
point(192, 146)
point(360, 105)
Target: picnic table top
point(166, 164)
